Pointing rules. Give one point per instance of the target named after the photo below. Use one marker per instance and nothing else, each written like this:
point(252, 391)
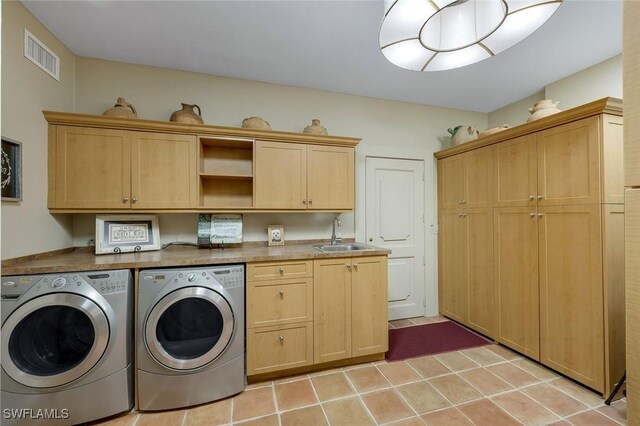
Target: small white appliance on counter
point(66, 352)
point(190, 336)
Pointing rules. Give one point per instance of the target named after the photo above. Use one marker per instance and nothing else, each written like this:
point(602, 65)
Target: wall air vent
point(41, 55)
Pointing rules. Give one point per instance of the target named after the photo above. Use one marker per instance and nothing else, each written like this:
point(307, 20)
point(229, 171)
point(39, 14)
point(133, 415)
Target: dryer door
point(188, 328)
point(53, 339)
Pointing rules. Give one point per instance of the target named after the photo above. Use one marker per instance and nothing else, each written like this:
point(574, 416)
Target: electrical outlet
point(91, 242)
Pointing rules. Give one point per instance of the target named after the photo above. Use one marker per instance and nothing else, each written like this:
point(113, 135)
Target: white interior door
point(395, 221)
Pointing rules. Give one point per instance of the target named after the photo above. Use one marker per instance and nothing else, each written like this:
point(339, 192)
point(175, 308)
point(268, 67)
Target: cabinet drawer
point(279, 348)
point(279, 270)
point(279, 302)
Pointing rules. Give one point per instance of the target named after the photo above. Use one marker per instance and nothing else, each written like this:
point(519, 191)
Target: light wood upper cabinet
point(466, 180)
point(569, 163)
point(90, 168)
point(571, 292)
point(280, 175)
point(304, 177)
point(516, 276)
point(369, 327)
point(163, 171)
point(331, 177)
point(515, 172)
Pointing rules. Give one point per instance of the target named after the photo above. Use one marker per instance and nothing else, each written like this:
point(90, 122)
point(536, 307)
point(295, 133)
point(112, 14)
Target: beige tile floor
point(489, 386)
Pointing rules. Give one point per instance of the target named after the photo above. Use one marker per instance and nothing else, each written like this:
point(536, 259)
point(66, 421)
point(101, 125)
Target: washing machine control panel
point(105, 282)
point(110, 282)
point(232, 276)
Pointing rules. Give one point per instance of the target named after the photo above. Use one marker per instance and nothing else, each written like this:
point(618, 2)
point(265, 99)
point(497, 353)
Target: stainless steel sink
point(342, 247)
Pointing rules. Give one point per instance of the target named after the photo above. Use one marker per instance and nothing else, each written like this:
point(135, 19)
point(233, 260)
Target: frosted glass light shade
point(435, 35)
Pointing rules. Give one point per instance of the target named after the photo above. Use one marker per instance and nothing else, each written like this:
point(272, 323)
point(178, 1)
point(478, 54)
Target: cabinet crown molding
point(609, 105)
point(87, 120)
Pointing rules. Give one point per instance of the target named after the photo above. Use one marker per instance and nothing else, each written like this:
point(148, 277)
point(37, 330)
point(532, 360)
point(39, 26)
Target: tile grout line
point(315, 392)
point(360, 397)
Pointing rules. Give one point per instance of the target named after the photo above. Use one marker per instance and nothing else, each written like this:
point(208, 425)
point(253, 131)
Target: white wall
point(27, 227)
point(596, 82)
point(157, 92)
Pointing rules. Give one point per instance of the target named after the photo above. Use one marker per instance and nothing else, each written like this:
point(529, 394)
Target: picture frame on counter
point(127, 233)
point(11, 170)
point(275, 235)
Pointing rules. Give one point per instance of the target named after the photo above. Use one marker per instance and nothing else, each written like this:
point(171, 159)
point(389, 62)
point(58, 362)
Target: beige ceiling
point(328, 45)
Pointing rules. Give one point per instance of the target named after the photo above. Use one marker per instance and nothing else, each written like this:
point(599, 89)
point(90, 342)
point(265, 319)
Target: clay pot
point(186, 115)
point(493, 130)
point(462, 134)
point(542, 109)
point(315, 128)
point(256, 123)
point(122, 108)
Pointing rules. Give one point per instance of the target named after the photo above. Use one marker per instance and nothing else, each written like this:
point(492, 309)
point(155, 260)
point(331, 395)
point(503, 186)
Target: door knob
point(370, 240)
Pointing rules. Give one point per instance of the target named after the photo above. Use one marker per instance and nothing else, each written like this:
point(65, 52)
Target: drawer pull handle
point(281, 293)
point(281, 271)
point(281, 340)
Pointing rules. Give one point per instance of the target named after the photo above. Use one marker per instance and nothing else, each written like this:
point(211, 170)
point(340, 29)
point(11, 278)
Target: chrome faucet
point(335, 239)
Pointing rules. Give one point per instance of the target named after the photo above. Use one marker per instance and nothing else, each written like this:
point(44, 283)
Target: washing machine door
point(189, 327)
point(53, 340)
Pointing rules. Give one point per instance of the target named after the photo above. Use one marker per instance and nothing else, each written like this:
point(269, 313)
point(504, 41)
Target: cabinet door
point(571, 293)
point(92, 169)
point(163, 171)
point(481, 294)
point(515, 171)
point(280, 176)
point(479, 178)
point(569, 164)
point(451, 181)
point(516, 275)
point(369, 326)
point(332, 309)
point(331, 177)
point(452, 260)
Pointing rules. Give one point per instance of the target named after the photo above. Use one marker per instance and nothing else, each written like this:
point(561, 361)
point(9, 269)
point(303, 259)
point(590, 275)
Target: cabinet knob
point(134, 199)
point(459, 214)
point(304, 201)
point(464, 201)
point(540, 197)
point(348, 266)
point(281, 293)
point(310, 201)
point(281, 338)
point(532, 214)
point(459, 201)
point(355, 266)
point(125, 199)
point(281, 270)
point(540, 214)
point(532, 197)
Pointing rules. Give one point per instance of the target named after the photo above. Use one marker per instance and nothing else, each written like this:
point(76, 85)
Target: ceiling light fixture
point(436, 35)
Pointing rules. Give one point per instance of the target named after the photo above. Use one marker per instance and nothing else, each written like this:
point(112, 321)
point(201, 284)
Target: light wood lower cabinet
point(312, 312)
point(466, 268)
point(350, 307)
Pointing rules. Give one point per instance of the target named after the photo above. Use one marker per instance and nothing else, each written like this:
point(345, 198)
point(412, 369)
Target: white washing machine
point(190, 336)
point(66, 352)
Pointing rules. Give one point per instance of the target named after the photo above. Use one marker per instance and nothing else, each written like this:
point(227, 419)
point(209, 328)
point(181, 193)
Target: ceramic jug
point(542, 109)
point(256, 123)
point(462, 134)
point(315, 128)
point(122, 108)
point(186, 115)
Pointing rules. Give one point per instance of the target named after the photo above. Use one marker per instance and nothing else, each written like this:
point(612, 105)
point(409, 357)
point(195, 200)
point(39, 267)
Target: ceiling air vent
point(41, 55)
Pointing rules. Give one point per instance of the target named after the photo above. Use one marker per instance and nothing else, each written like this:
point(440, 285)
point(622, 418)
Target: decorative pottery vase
point(122, 108)
point(462, 134)
point(493, 130)
point(315, 128)
point(542, 109)
point(256, 123)
point(187, 115)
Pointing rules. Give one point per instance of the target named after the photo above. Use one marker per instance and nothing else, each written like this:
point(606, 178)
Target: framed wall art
point(127, 233)
point(11, 170)
point(275, 233)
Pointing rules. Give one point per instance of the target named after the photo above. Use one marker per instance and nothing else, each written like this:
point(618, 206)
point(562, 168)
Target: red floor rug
point(429, 339)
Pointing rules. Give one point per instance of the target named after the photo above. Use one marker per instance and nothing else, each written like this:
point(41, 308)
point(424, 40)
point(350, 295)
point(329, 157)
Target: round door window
point(189, 328)
point(54, 339)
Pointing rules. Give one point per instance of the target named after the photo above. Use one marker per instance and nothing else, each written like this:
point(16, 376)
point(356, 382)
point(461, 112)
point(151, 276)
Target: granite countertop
point(81, 259)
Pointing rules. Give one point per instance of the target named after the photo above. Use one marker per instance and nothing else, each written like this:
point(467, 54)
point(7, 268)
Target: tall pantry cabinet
point(544, 270)
point(631, 73)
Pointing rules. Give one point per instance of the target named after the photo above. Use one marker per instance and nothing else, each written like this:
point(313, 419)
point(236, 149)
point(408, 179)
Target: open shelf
point(224, 193)
point(224, 176)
